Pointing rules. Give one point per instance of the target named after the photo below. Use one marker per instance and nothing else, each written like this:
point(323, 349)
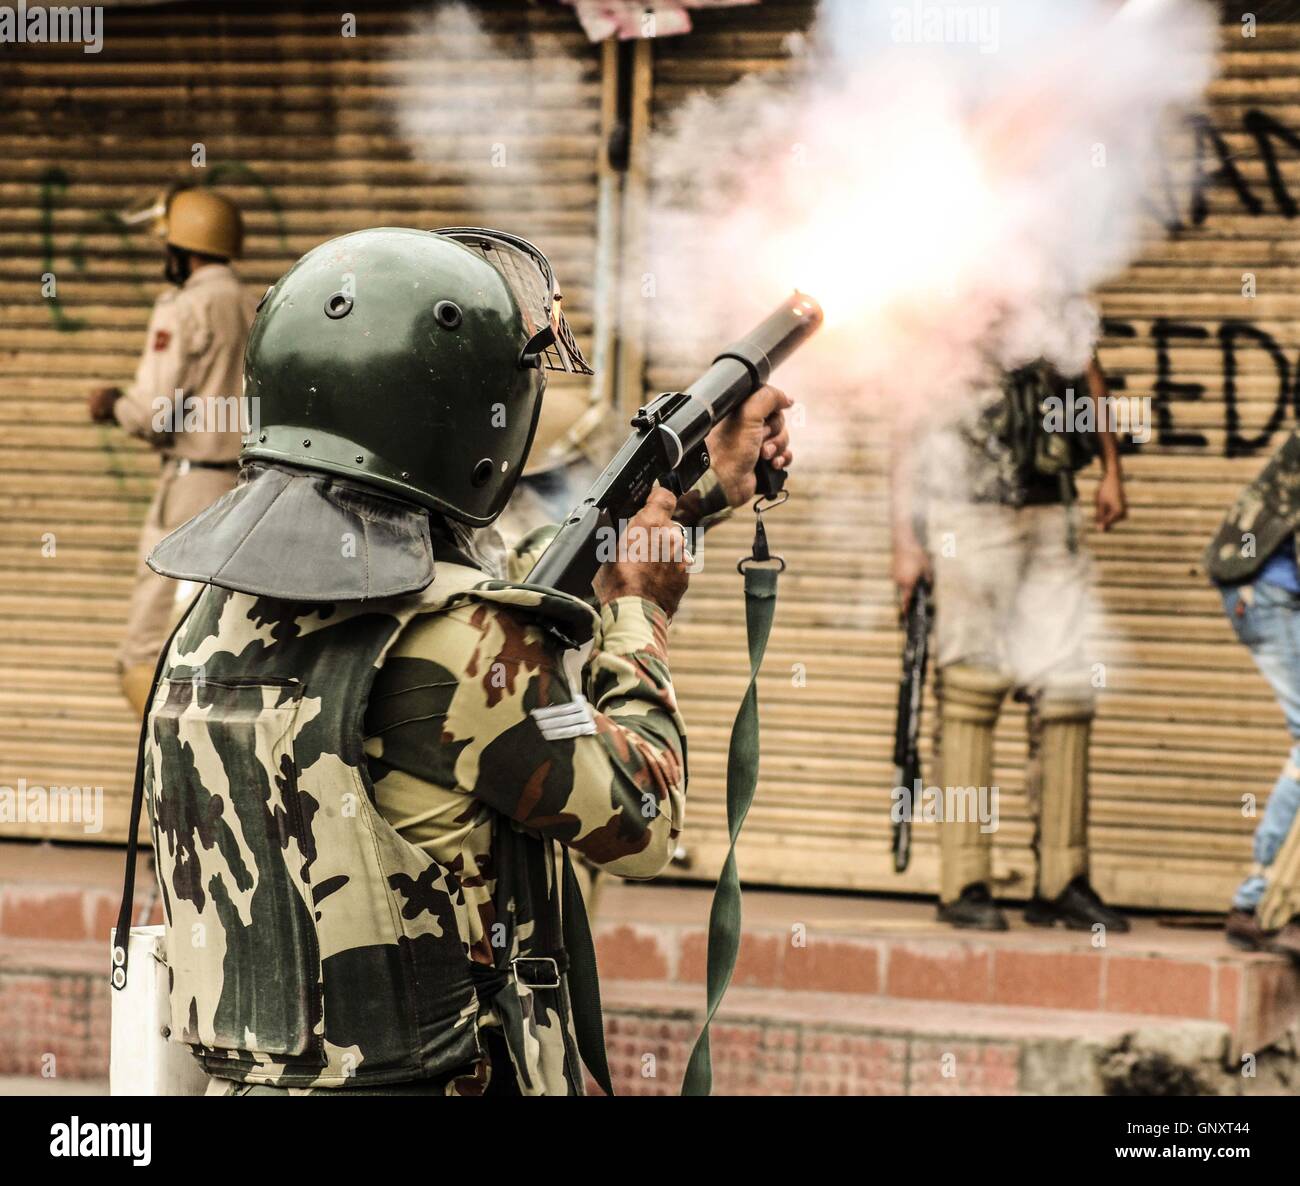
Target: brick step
point(781, 1042)
point(54, 1010)
point(69, 894)
point(873, 947)
point(828, 977)
point(58, 906)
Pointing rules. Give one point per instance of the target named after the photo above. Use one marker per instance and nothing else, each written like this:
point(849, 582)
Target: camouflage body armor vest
point(1024, 457)
point(309, 944)
point(1264, 515)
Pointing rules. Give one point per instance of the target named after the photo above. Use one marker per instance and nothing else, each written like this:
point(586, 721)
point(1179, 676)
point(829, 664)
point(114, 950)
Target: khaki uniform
point(1013, 602)
point(195, 346)
point(1012, 594)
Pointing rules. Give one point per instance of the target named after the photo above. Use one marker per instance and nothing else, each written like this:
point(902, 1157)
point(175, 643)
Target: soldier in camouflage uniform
point(1253, 561)
point(1011, 586)
point(366, 760)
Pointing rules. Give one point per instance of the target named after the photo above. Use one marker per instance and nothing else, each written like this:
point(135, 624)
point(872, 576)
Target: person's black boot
point(1243, 931)
point(975, 910)
point(1078, 907)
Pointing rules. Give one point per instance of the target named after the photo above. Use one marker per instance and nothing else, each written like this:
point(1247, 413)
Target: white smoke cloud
point(950, 180)
point(475, 104)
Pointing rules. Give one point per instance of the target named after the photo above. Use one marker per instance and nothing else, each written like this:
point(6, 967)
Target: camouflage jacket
point(1002, 449)
point(1265, 513)
point(311, 943)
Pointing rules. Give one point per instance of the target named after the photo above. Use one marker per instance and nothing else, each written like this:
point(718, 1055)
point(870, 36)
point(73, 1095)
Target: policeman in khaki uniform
point(367, 760)
point(1252, 559)
point(186, 402)
point(1011, 583)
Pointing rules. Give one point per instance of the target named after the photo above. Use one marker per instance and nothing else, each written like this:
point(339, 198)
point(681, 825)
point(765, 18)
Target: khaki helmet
point(204, 221)
point(194, 219)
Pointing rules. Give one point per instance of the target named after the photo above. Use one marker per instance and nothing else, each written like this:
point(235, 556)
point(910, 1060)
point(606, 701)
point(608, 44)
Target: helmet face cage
point(531, 279)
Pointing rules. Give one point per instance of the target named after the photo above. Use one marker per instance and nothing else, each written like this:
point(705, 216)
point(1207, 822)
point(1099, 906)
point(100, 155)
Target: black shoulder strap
point(122, 932)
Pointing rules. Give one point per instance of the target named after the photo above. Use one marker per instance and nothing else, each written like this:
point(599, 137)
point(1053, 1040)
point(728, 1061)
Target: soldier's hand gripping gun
point(668, 445)
point(907, 727)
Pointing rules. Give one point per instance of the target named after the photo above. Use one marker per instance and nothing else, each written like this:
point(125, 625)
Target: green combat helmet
point(387, 370)
point(411, 361)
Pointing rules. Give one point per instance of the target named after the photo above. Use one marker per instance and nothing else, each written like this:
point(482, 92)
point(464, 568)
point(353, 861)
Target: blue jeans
point(1267, 621)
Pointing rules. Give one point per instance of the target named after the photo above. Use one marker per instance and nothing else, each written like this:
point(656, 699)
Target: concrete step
point(891, 948)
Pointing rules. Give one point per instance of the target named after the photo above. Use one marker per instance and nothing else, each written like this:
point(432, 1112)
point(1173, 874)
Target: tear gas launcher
point(668, 445)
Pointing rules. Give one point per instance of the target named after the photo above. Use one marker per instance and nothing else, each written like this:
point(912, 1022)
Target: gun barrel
point(747, 365)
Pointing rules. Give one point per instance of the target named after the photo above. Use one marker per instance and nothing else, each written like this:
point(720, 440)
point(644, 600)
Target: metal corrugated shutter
point(1186, 726)
point(298, 122)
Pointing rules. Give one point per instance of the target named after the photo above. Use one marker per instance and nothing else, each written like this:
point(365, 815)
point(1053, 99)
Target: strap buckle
point(536, 971)
point(761, 553)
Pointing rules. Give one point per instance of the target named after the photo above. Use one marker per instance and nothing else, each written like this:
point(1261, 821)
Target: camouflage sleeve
point(528, 551)
point(478, 699)
point(704, 505)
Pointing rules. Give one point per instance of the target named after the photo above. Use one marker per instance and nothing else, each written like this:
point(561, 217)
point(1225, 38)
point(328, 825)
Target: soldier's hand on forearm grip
point(651, 561)
point(756, 430)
